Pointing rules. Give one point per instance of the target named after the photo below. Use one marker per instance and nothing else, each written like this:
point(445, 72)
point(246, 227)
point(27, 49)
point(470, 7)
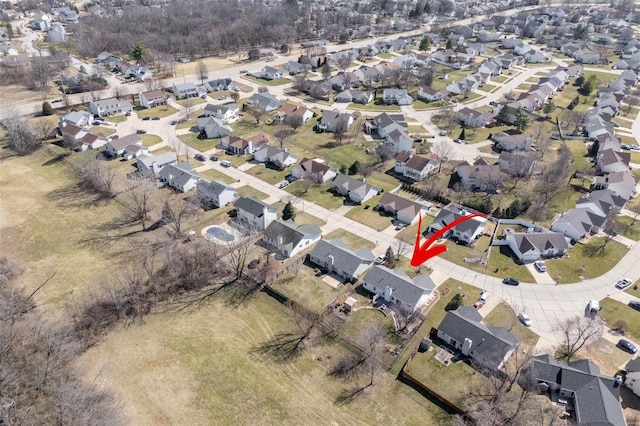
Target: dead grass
point(351, 240)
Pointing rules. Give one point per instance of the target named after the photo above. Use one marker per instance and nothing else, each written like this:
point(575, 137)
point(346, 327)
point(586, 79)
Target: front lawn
point(159, 111)
point(634, 289)
point(213, 174)
point(586, 260)
point(374, 106)
point(304, 287)
point(116, 118)
point(150, 140)
point(190, 102)
point(612, 311)
point(624, 227)
point(316, 194)
point(196, 143)
point(353, 241)
point(276, 82)
point(249, 191)
point(365, 214)
point(267, 174)
point(504, 316)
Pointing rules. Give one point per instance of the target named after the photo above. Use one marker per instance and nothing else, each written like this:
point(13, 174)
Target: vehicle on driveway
point(540, 266)
point(634, 305)
point(213, 158)
point(200, 157)
point(283, 184)
point(55, 101)
point(146, 118)
point(627, 346)
point(524, 319)
point(479, 304)
point(623, 283)
point(457, 140)
point(156, 118)
point(379, 260)
point(173, 122)
point(484, 296)
point(511, 281)
point(141, 131)
point(222, 98)
point(225, 163)
point(443, 133)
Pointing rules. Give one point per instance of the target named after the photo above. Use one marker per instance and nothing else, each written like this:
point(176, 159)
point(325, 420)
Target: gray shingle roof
point(344, 258)
point(289, 233)
point(253, 206)
point(403, 288)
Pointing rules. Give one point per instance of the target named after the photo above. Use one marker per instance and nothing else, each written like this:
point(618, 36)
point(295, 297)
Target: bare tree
point(188, 105)
point(256, 111)
point(283, 133)
point(22, 137)
point(202, 71)
point(238, 252)
point(46, 128)
point(443, 150)
point(98, 176)
point(175, 212)
point(326, 71)
point(234, 96)
point(341, 129)
point(152, 84)
point(139, 203)
point(403, 245)
point(577, 332)
point(295, 121)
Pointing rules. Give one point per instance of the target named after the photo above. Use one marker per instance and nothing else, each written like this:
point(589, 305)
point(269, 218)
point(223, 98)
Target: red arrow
point(423, 253)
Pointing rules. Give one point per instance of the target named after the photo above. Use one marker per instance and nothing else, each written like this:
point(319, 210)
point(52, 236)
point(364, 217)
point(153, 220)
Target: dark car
point(634, 305)
point(141, 131)
point(627, 346)
point(146, 118)
point(200, 157)
point(213, 158)
point(156, 118)
point(511, 281)
point(174, 122)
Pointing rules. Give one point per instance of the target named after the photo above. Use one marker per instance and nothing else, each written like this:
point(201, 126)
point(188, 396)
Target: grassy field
point(374, 106)
point(612, 311)
point(504, 316)
point(316, 194)
point(194, 142)
point(634, 289)
point(160, 111)
point(307, 289)
point(271, 176)
point(150, 140)
point(586, 261)
point(116, 118)
point(276, 82)
point(213, 174)
point(249, 191)
point(190, 102)
point(205, 366)
point(605, 354)
point(366, 215)
point(627, 227)
point(351, 240)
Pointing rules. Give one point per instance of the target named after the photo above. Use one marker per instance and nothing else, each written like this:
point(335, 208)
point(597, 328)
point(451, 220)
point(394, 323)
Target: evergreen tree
point(549, 107)
point(354, 168)
point(522, 120)
point(462, 134)
point(389, 258)
point(454, 303)
point(289, 212)
point(425, 44)
point(46, 108)
point(449, 44)
point(579, 81)
point(343, 169)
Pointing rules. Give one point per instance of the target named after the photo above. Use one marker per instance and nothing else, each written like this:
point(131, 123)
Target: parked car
point(141, 131)
point(457, 140)
point(511, 281)
point(593, 306)
point(479, 304)
point(270, 60)
point(494, 103)
point(635, 147)
point(222, 98)
point(484, 296)
point(625, 147)
point(634, 305)
point(400, 226)
point(128, 113)
point(540, 266)
point(283, 184)
point(225, 163)
point(174, 122)
point(146, 118)
point(156, 118)
point(200, 157)
point(379, 260)
point(627, 346)
point(213, 158)
point(243, 71)
point(623, 283)
point(443, 133)
point(55, 101)
point(525, 320)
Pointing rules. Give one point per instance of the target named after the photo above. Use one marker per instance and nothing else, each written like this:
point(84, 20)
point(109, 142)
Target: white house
point(180, 176)
point(227, 113)
point(216, 192)
point(155, 98)
point(507, 142)
point(185, 90)
point(241, 146)
point(622, 184)
point(213, 127)
point(291, 111)
point(416, 167)
point(395, 289)
point(255, 213)
point(531, 246)
point(289, 239)
point(122, 145)
point(429, 94)
point(220, 84)
point(334, 120)
point(357, 190)
point(276, 156)
point(466, 231)
point(57, 34)
point(405, 211)
point(609, 161)
point(152, 164)
point(111, 106)
point(396, 96)
point(271, 73)
point(578, 223)
point(472, 118)
point(315, 170)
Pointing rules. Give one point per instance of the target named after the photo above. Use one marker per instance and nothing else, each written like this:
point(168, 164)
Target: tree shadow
point(347, 396)
point(283, 347)
point(76, 196)
point(58, 158)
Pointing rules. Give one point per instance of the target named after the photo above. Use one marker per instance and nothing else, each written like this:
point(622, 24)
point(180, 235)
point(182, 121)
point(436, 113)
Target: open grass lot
point(150, 140)
point(249, 191)
point(585, 260)
point(386, 55)
point(499, 79)
point(368, 216)
point(203, 366)
point(213, 174)
point(159, 111)
point(634, 289)
point(316, 194)
point(579, 153)
point(612, 311)
point(419, 105)
point(504, 316)
point(190, 102)
point(306, 288)
point(488, 87)
point(624, 227)
point(276, 82)
point(267, 174)
point(605, 354)
point(106, 131)
point(374, 106)
point(187, 124)
point(301, 217)
point(194, 142)
point(351, 240)
point(116, 118)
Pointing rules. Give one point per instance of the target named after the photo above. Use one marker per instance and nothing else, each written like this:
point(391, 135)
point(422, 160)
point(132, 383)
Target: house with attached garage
point(216, 192)
point(180, 176)
point(81, 139)
point(591, 397)
point(291, 111)
point(125, 145)
point(57, 34)
point(254, 213)
point(107, 107)
point(467, 231)
point(212, 127)
point(578, 223)
point(288, 239)
point(601, 202)
point(510, 143)
point(623, 184)
point(315, 170)
point(334, 120)
point(227, 113)
point(415, 167)
point(516, 164)
point(150, 165)
point(609, 161)
point(471, 118)
point(403, 210)
point(488, 346)
point(355, 96)
point(357, 190)
point(241, 146)
point(271, 73)
point(531, 246)
point(220, 84)
point(395, 289)
point(155, 98)
point(429, 94)
point(480, 176)
point(185, 90)
point(396, 96)
point(264, 101)
point(335, 257)
point(295, 68)
point(276, 156)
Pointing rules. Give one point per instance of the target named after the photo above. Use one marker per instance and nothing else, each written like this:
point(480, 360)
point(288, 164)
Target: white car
point(623, 283)
point(525, 320)
point(225, 163)
point(484, 296)
point(594, 306)
point(540, 266)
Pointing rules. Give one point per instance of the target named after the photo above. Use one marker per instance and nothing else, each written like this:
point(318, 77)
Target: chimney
point(466, 346)
point(330, 261)
point(387, 294)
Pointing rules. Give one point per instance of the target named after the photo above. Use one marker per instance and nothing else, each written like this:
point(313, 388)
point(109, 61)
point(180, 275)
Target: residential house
point(512, 142)
point(395, 289)
point(216, 192)
point(125, 145)
point(276, 156)
point(396, 96)
point(601, 201)
point(271, 73)
point(296, 68)
point(240, 146)
point(57, 34)
point(65, 14)
point(81, 139)
point(288, 239)
point(592, 398)
point(403, 210)
point(180, 176)
point(488, 346)
point(264, 101)
point(291, 111)
point(516, 164)
point(429, 94)
point(480, 176)
point(77, 118)
point(623, 184)
point(139, 72)
point(578, 223)
point(386, 123)
point(334, 120)
point(466, 232)
point(315, 170)
point(471, 118)
point(150, 165)
point(531, 246)
point(220, 84)
point(213, 127)
point(632, 382)
point(609, 161)
point(355, 96)
point(344, 81)
point(185, 90)
point(255, 213)
point(155, 98)
point(227, 113)
point(40, 22)
point(335, 257)
point(111, 106)
point(415, 167)
point(357, 190)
